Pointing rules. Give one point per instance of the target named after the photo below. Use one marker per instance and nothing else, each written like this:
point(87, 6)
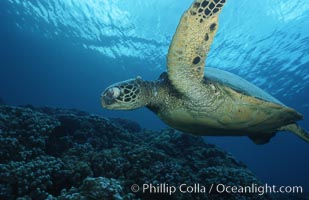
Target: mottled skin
point(184, 99)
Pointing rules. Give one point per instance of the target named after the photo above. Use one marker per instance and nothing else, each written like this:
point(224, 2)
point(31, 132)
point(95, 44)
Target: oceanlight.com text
point(165, 188)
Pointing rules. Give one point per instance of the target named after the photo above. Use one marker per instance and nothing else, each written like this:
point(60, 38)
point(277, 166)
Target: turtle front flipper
point(191, 43)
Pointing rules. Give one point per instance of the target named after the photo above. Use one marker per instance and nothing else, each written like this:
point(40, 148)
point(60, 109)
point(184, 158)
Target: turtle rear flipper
point(260, 139)
point(297, 130)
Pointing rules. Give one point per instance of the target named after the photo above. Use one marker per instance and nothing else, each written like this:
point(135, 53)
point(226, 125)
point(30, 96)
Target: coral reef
point(62, 154)
point(95, 188)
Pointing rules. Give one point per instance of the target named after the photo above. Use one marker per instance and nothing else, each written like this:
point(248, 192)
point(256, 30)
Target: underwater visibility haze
point(63, 53)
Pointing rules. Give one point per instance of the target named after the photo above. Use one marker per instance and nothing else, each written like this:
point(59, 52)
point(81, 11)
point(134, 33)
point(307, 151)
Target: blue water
point(63, 53)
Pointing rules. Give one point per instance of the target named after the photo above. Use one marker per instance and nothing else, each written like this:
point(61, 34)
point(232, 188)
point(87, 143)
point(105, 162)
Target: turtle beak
point(105, 101)
point(109, 96)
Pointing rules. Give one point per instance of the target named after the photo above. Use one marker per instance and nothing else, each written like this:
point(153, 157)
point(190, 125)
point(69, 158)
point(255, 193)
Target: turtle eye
point(113, 92)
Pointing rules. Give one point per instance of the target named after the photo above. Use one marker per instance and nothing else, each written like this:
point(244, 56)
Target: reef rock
point(53, 153)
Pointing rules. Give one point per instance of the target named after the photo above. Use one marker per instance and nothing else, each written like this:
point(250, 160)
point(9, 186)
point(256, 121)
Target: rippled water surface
point(265, 41)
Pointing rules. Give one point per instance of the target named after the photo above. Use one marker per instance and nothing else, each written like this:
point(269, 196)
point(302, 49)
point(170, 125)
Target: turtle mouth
point(106, 101)
point(109, 96)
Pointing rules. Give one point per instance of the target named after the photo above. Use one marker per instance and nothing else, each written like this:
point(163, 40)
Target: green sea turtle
point(218, 103)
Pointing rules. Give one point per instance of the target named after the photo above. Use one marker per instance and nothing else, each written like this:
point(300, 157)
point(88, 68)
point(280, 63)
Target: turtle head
point(126, 95)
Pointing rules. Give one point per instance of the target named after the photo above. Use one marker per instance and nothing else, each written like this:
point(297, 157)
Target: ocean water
point(63, 53)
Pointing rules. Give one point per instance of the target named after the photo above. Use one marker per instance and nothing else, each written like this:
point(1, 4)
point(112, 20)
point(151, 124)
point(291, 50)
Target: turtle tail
point(297, 130)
